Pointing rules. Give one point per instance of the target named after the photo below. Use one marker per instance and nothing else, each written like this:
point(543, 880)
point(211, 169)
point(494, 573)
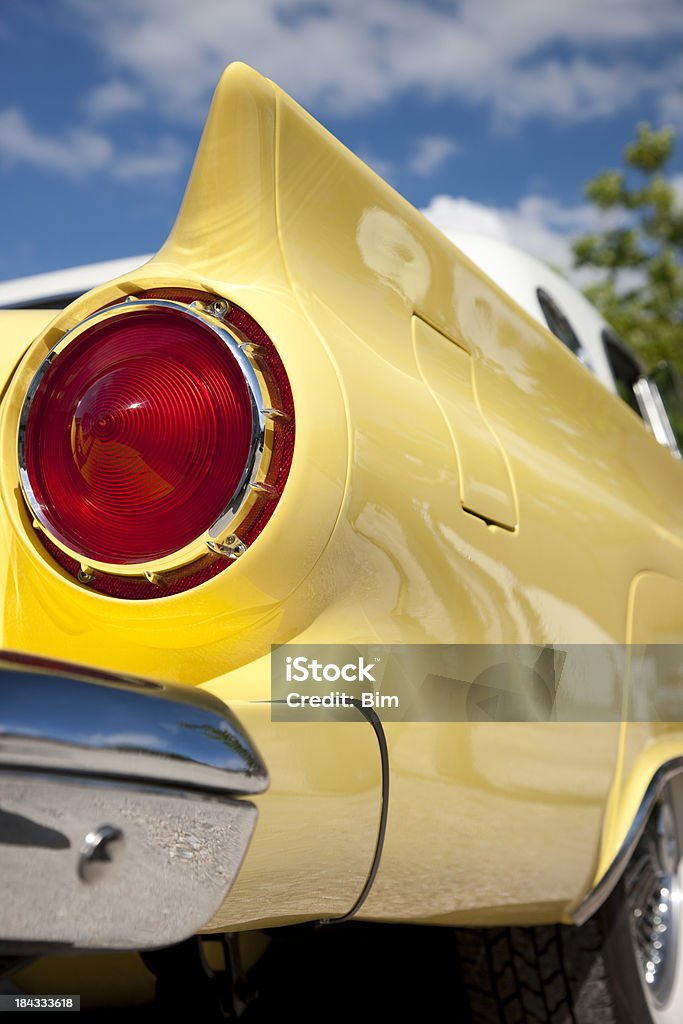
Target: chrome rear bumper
point(119, 823)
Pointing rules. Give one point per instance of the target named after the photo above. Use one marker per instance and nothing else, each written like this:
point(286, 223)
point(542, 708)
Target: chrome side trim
point(652, 408)
point(607, 884)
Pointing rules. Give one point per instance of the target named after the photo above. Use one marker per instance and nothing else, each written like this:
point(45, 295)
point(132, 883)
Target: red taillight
point(137, 437)
point(141, 438)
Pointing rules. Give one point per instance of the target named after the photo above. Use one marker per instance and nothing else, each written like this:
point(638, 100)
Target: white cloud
point(80, 152)
point(351, 54)
point(540, 226)
point(671, 104)
point(167, 159)
point(113, 98)
point(431, 152)
point(576, 90)
point(76, 154)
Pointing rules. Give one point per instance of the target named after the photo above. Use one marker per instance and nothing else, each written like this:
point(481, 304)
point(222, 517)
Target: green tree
point(638, 255)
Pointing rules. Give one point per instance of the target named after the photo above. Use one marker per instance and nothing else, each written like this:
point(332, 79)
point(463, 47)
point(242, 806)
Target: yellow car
point(311, 432)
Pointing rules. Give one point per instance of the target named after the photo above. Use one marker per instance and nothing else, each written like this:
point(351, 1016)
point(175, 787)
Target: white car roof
point(521, 275)
point(63, 284)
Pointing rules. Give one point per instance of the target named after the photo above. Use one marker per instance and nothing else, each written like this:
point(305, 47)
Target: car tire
point(624, 966)
point(543, 975)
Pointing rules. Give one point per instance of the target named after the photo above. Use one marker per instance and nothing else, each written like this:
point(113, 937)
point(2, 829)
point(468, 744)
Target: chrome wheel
point(653, 896)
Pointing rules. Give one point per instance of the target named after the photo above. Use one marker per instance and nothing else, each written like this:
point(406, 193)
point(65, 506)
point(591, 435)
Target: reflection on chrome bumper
point(119, 826)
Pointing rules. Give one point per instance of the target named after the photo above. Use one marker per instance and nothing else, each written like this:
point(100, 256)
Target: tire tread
point(550, 974)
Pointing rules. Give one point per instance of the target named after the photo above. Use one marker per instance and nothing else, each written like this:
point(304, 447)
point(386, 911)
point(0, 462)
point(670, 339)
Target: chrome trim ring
point(255, 470)
point(653, 899)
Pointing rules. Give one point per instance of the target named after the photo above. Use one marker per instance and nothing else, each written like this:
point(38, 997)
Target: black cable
point(373, 719)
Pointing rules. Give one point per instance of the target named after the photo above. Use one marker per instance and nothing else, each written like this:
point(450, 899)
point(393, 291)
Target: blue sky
point(490, 114)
